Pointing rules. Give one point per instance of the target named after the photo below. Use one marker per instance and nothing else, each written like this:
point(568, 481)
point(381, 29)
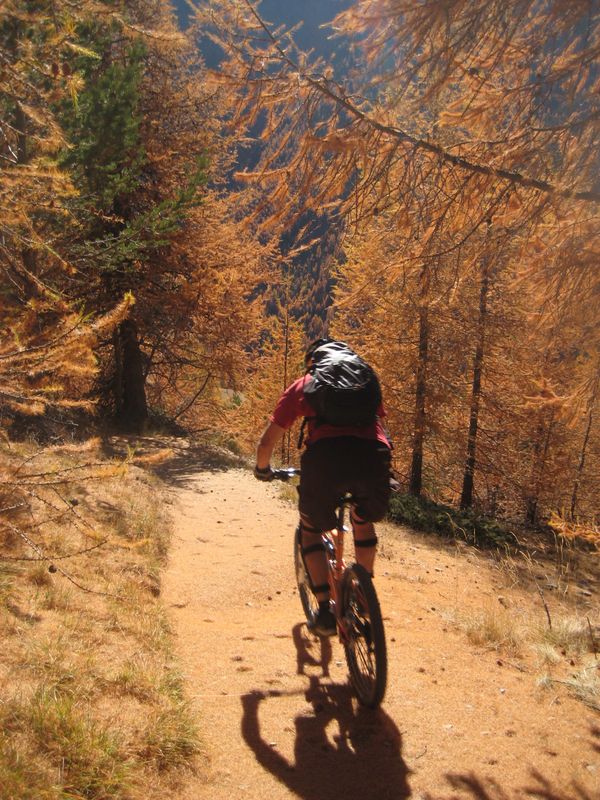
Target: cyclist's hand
point(265, 474)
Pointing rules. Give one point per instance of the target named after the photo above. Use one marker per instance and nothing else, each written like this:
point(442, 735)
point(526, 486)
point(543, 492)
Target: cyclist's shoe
point(324, 623)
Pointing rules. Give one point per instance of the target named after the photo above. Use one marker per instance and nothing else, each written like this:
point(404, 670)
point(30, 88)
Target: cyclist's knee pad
point(366, 542)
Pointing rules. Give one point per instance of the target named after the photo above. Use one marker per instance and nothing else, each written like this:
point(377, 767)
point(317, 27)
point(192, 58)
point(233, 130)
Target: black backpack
point(341, 387)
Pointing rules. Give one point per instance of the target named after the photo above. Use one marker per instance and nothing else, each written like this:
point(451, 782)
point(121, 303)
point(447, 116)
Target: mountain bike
point(354, 603)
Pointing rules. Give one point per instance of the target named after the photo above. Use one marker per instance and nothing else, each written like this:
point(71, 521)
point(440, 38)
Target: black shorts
point(333, 466)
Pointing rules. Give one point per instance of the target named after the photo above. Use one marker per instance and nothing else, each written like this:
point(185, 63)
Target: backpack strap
point(306, 419)
point(302, 430)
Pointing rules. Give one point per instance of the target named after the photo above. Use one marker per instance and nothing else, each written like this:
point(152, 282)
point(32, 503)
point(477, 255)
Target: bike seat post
point(338, 535)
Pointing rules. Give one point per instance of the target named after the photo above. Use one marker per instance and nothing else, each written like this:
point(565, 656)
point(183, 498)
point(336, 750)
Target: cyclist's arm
point(271, 435)
point(287, 410)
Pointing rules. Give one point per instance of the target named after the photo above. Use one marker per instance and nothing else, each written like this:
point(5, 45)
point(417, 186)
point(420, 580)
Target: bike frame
point(358, 615)
point(333, 541)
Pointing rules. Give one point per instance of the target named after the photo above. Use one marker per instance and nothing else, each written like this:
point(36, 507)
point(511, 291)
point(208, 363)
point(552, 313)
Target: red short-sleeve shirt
point(293, 404)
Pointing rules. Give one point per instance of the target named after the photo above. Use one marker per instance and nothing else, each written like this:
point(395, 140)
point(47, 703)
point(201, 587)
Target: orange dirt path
point(275, 712)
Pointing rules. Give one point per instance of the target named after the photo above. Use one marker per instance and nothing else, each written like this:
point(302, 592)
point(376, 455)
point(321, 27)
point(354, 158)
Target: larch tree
point(46, 343)
point(277, 359)
point(114, 167)
point(466, 497)
point(454, 115)
point(128, 208)
point(149, 157)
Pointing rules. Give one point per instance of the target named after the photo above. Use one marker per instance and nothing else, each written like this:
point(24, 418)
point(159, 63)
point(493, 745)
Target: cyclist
point(336, 460)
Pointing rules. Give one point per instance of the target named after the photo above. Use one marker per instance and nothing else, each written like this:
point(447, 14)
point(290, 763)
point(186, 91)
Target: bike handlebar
point(285, 474)
point(293, 472)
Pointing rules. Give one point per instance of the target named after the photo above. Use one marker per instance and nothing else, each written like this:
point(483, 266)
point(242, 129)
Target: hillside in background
point(311, 279)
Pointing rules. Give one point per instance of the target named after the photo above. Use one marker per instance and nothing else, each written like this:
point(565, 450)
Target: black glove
point(265, 474)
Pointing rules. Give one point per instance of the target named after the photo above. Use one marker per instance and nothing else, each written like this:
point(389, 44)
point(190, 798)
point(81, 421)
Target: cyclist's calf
point(365, 542)
point(315, 560)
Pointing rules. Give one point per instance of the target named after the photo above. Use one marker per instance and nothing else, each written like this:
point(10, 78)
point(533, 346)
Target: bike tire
point(310, 604)
point(364, 642)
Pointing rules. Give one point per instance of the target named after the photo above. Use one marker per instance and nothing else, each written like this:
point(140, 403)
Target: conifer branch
point(335, 92)
point(53, 557)
point(42, 556)
point(191, 402)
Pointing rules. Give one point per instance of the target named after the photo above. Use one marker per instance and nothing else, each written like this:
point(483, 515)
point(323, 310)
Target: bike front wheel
point(364, 639)
point(310, 604)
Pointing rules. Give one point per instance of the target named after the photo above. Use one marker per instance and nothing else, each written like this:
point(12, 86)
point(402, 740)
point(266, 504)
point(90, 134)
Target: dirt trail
point(276, 715)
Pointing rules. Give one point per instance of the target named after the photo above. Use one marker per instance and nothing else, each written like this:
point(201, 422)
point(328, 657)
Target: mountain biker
point(336, 460)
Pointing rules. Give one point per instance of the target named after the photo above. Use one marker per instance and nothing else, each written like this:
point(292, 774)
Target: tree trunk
point(466, 498)
point(540, 453)
point(416, 469)
point(129, 387)
point(21, 126)
point(285, 442)
point(27, 253)
point(586, 438)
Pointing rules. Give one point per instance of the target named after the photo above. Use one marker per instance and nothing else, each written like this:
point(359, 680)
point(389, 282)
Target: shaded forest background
point(172, 233)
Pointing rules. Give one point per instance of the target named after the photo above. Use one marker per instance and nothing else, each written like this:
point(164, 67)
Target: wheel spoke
point(365, 655)
point(365, 644)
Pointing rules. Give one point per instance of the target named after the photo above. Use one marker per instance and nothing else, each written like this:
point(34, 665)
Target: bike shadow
point(340, 748)
point(311, 651)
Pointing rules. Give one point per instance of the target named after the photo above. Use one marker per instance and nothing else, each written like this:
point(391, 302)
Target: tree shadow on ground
point(361, 759)
point(539, 788)
point(595, 731)
point(182, 461)
point(22, 616)
point(470, 786)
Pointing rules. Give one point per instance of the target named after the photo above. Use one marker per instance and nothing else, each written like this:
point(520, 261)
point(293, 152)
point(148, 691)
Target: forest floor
point(484, 699)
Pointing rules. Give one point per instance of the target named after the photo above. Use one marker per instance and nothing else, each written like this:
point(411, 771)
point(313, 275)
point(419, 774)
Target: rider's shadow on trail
point(340, 749)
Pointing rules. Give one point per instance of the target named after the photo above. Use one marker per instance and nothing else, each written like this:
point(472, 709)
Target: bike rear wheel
point(364, 641)
point(310, 604)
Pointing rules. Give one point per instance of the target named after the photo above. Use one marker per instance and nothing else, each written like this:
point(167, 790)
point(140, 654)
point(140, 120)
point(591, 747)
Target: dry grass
point(504, 630)
point(570, 635)
point(493, 629)
point(584, 684)
point(572, 643)
point(91, 702)
point(288, 492)
point(567, 650)
point(546, 654)
point(540, 611)
point(561, 568)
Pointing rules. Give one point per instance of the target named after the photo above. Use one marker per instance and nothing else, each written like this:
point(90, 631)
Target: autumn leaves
point(459, 155)
point(451, 163)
